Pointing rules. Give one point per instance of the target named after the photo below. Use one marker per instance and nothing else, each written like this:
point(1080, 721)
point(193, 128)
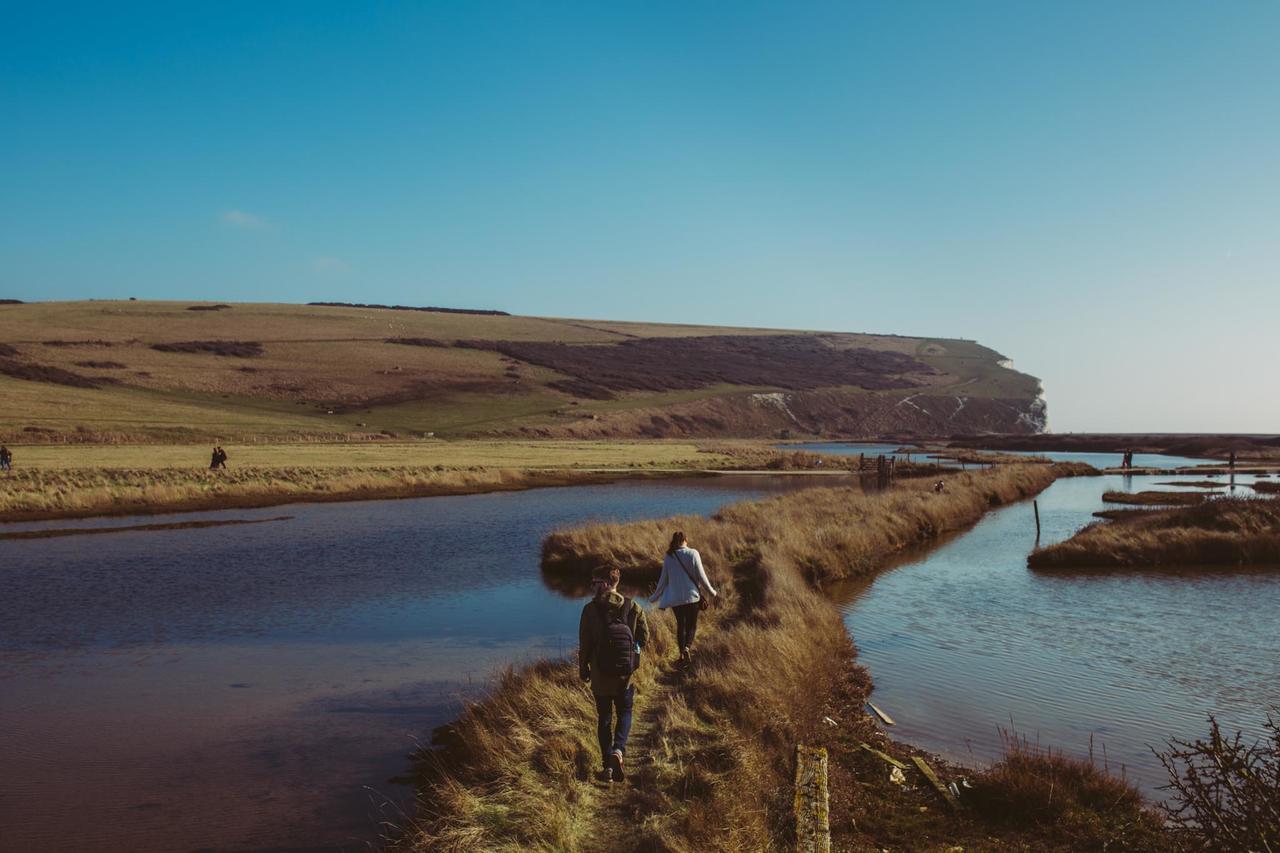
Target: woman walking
point(681, 587)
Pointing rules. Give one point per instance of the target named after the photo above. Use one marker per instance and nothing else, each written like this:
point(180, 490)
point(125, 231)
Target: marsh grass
point(1082, 805)
point(28, 493)
point(1154, 498)
point(1221, 532)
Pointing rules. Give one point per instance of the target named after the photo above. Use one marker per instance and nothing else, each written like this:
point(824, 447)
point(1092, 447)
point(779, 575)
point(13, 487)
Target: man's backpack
point(617, 655)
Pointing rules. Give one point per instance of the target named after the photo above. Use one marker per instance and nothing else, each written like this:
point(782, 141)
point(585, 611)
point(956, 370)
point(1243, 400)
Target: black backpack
point(617, 654)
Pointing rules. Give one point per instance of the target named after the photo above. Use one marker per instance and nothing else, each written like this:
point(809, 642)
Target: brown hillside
point(332, 370)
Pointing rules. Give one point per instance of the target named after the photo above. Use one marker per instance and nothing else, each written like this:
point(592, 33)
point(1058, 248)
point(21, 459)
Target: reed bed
point(719, 737)
point(1222, 532)
point(828, 534)
point(76, 492)
point(1083, 805)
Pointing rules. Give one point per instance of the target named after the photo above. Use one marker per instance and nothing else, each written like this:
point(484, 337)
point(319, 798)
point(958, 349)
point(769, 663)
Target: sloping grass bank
point(33, 495)
point(1222, 532)
point(713, 770)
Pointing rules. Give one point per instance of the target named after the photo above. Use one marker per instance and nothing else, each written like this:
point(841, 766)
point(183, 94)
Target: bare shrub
point(1226, 792)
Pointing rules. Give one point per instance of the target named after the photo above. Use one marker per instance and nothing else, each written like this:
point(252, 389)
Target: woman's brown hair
point(677, 539)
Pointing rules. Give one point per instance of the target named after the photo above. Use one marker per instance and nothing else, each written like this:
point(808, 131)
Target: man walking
point(611, 634)
point(6, 458)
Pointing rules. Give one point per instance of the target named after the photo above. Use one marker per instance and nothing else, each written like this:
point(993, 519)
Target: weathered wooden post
point(812, 806)
point(1036, 506)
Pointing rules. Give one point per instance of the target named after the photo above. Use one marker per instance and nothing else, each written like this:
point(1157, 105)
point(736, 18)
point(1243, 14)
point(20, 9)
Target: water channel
point(965, 641)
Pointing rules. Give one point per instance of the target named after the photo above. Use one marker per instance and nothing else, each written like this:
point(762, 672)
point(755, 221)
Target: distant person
point(611, 634)
point(680, 587)
point(1231, 462)
point(6, 459)
point(219, 457)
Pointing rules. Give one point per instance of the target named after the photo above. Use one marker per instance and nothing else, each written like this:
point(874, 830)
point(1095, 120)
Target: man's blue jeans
point(614, 738)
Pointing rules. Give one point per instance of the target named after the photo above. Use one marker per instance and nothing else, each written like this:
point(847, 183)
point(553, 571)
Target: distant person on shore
point(219, 459)
point(1231, 463)
point(6, 459)
point(611, 634)
point(681, 587)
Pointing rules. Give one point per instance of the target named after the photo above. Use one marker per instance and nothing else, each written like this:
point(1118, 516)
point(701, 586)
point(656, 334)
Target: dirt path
point(612, 824)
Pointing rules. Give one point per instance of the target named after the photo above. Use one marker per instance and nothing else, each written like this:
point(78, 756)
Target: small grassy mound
point(1153, 498)
point(1226, 531)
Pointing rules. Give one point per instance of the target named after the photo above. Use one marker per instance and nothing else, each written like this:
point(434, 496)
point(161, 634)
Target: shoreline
point(503, 482)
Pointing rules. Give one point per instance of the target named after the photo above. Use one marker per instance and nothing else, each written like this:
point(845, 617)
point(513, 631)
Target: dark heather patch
point(793, 362)
point(231, 349)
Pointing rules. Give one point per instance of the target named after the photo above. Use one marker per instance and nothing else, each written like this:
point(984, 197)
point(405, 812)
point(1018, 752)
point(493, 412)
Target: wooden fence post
point(813, 826)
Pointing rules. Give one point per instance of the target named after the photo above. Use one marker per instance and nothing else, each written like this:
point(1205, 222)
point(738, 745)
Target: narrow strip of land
point(712, 754)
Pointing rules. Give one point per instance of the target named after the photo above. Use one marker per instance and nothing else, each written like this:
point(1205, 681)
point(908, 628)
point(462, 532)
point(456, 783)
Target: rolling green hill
point(180, 371)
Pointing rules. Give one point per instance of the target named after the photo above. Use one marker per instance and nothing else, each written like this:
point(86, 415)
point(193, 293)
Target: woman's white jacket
point(675, 586)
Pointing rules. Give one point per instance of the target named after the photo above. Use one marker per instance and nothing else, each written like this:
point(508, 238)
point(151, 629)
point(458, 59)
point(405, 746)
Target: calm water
point(967, 640)
point(255, 687)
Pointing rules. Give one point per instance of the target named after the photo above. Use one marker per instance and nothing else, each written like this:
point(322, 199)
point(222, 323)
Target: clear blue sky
point(1093, 188)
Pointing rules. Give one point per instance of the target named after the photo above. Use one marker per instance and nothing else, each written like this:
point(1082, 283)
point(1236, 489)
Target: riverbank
point(52, 482)
point(1221, 532)
point(713, 746)
point(85, 481)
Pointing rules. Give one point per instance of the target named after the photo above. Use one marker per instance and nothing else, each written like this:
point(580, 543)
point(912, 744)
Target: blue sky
point(1091, 188)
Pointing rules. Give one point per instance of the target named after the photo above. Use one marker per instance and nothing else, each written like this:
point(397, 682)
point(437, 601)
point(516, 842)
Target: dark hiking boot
point(605, 775)
point(617, 766)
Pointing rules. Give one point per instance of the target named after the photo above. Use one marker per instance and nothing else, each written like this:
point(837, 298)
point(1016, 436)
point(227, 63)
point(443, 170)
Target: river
point(256, 687)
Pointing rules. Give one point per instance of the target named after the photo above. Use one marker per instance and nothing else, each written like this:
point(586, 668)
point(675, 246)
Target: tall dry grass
point(31, 493)
point(828, 534)
point(721, 735)
point(1083, 806)
point(1221, 532)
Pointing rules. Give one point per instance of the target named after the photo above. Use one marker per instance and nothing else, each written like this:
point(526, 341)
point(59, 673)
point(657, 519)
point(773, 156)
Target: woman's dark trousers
point(686, 624)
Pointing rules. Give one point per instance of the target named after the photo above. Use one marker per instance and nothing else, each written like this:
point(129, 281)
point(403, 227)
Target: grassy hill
point(181, 371)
